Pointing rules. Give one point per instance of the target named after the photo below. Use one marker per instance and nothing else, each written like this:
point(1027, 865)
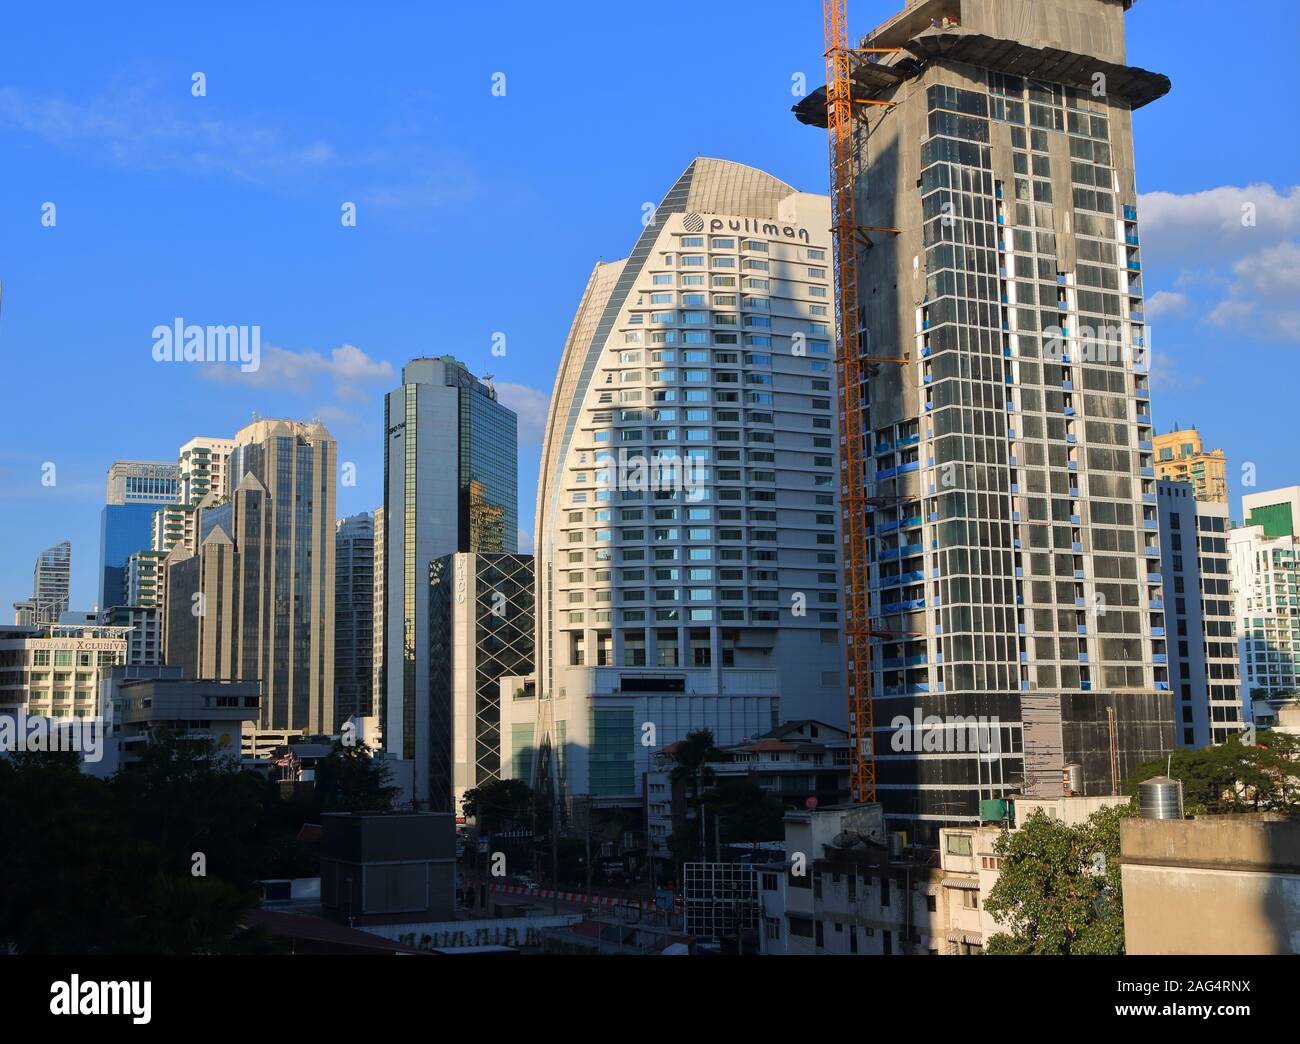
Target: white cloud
point(334, 417)
point(531, 406)
point(1164, 303)
point(138, 127)
point(347, 366)
point(139, 123)
point(1237, 247)
point(1217, 225)
point(1263, 302)
point(448, 183)
point(1165, 375)
point(525, 542)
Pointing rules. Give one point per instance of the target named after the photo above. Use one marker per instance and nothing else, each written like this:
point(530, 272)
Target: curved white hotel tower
point(687, 534)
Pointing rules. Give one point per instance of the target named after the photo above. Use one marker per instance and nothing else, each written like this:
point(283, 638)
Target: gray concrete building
point(209, 715)
point(1007, 477)
point(1196, 564)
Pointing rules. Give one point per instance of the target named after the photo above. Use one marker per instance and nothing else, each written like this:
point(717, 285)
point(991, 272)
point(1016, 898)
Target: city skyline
point(742, 479)
point(335, 362)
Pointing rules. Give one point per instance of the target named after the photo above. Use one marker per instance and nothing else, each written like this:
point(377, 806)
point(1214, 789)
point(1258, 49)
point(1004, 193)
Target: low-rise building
point(849, 887)
point(203, 712)
point(971, 865)
point(390, 867)
point(53, 670)
point(798, 762)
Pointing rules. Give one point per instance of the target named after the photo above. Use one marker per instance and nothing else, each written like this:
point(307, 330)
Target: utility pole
point(589, 851)
point(555, 848)
point(699, 811)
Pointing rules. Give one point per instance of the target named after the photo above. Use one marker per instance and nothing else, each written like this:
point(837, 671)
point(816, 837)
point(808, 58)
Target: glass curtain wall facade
point(441, 415)
point(481, 630)
point(51, 583)
point(354, 595)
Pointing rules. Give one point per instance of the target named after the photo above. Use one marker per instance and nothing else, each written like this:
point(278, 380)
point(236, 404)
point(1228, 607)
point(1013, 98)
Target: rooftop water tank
point(1160, 798)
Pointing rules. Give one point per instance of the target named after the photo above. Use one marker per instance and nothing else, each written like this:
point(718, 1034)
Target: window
point(959, 844)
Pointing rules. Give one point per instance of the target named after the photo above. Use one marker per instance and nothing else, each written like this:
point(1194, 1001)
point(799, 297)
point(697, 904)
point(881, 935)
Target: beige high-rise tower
point(1182, 457)
point(257, 600)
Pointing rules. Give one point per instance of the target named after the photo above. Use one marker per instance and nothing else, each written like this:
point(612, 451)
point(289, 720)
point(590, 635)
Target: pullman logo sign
point(692, 222)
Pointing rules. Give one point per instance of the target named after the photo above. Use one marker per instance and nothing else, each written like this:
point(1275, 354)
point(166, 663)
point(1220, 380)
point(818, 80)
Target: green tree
point(95, 866)
point(1059, 888)
point(351, 779)
point(1235, 776)
point(499, 804)
point(692, 756)
point(746, 812)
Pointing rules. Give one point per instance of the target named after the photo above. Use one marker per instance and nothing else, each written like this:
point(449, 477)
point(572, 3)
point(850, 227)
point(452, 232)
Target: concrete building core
point(1014, 562)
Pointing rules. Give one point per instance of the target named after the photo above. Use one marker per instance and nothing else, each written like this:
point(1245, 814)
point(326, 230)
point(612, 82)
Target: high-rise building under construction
point(998, 493)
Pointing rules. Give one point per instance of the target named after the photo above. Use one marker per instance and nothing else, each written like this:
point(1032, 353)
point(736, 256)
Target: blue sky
point(479, 214)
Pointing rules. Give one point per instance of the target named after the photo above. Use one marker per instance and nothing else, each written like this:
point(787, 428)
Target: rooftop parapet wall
point(1233, 842)
point(1093, 27)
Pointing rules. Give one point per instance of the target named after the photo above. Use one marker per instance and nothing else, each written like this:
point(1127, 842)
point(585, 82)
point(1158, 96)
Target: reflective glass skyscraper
point(51, 583)
point(135, 490)
point(450, 484)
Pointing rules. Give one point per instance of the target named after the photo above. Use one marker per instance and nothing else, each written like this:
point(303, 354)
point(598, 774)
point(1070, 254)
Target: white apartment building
point(687, 535)
point(1267, 585)
point(204, 466)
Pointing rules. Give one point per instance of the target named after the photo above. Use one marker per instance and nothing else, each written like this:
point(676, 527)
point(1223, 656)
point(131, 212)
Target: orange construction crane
point(854, 367)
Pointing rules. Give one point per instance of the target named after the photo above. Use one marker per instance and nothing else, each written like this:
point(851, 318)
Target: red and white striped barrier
point(573, 897)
